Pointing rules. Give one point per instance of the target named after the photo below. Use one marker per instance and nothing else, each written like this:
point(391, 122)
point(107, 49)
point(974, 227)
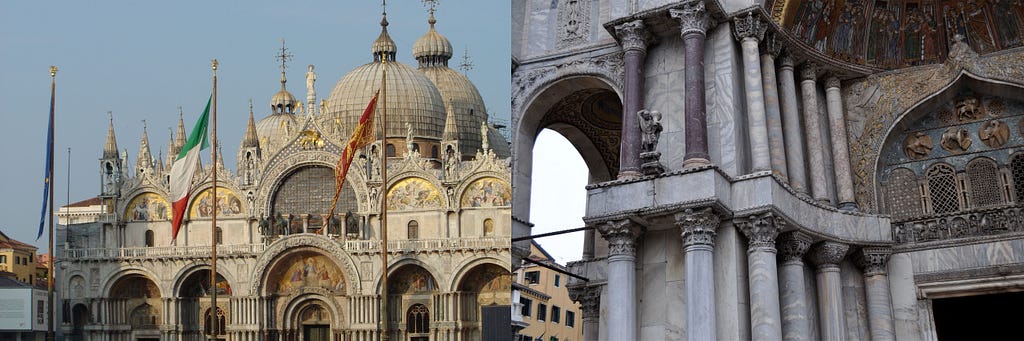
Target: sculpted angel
point(650, 129)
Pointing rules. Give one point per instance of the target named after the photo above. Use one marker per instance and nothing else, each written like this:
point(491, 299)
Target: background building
point(786, 169)
point(18, 258)
point(280, 273)
point(544, 302)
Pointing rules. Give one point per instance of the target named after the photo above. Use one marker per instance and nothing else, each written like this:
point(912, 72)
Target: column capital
point(589, 297)
point(621, 236)
point(793, 245)
point(809, 72)
point(786, 60)
point(761, 230)
point(749, 26)
point(874, 260)
point(698, 226)
point(828, 253)
point(692, 17)
point(634, 36)
point(772, 45)
point(831, 81)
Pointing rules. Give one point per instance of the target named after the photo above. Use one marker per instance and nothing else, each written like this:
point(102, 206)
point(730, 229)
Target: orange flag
point(361, 137)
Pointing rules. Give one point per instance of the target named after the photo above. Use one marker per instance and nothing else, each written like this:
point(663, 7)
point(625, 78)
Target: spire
point(251, 140)
point(179, 141)
point(451, 128)
point(160, 161)
point(220, 155)
point(384, 47)
point(145, 160)
point(171, 155)
point(110, 148)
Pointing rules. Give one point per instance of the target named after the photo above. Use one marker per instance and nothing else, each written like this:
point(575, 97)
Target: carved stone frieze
point(698, 226)
point(574, 22)
point(692, 17)
point(918, 145)
point(793, 246)
point(761, 230)
point(955, 140)
point(633, 36)
point(874, 260)
point(828, 253)
point(589, 297)
point(749, 26)
point(965, 225)
point(994, 133)
point(621, 236)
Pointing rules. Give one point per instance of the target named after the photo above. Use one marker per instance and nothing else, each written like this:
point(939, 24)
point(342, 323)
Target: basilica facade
point(286, 268)
point(783, 169)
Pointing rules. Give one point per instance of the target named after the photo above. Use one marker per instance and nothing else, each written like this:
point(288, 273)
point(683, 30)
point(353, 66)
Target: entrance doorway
point(981, 317)
point(316, 332)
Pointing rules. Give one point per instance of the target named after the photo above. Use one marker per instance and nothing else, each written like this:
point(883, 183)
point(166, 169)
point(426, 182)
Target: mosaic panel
point(487, 192)
point(148, 207)
point(228, 204)
point(413, 194)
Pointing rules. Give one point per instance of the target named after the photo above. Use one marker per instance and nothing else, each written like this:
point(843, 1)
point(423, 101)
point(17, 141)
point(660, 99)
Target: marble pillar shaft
point(793, 132)
point(756, 125)
point(796, 325)
point(590, 329)
point(773, 115)
point(696, 116)
point(840, 151)
point(879, 301)
point(819, 185)
point(700, 294)
point(765, 317)
point(830, 303)
point(629, 160)
point(622, 296)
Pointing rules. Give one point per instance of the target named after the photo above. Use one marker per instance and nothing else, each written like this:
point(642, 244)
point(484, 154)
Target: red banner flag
point(361, 137)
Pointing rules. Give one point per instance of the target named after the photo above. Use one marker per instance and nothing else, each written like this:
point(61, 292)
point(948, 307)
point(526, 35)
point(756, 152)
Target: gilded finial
point(431, 7)
point(110, 114)
point(250, 105)
point(53, 71)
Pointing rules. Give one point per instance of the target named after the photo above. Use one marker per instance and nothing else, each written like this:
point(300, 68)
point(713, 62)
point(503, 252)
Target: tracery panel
point(943, 189)
point(985, 187)
point(1017, 168)
point(903, 195)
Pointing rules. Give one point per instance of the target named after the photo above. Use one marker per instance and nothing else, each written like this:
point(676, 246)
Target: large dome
point(274, 130)
point(411, 98)
point(432, 44)
point(461, 97)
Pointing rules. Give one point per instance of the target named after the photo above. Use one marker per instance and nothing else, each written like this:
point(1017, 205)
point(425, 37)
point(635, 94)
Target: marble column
point(826, 257)
point(762, 274)
point(793, 298)
point(693, 23)
point(808, 87)
point(749, 30)
point(634, 38)
point(840, 146)
point(874, 262)
point(589, 298)
point(794, 136)
point(770, 48)
point(621, 236)
point(698, 231)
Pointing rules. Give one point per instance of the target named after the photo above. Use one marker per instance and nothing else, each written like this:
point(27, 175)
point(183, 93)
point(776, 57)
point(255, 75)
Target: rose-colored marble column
point(770, 48)
point(634, 38)
point(808, 87)
point(693, 22)
point(840, 146)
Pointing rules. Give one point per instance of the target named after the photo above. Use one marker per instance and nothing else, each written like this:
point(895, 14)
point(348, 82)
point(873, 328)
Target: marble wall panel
point(540, 25)
point(652, 306)
point(968, 256)
point(811, 288)
point(675, 316)
point(726, 130)
point(663, 91)
point(904, 297)
point(518, 16)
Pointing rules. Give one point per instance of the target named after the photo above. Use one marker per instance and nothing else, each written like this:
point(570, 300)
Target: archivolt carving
point(330, 248)
point(528, 84)
point(878, 102)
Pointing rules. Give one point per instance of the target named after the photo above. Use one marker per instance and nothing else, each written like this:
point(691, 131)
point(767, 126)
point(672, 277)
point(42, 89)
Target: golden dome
point(433, 46)
point(411, 98)
point(461, 96)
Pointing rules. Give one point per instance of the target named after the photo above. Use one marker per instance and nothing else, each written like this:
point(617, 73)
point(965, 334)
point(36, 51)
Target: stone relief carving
point(633, 36)
point(828, 253)
point(761, 229)
point(972, 224)
point(698, 227)
point(528, 83)
point(650, 132)
point(749, 26)
point(692, 18)
point(918, 145)
point(589, 298)
point(969, 109)
point(574, 16)
point(994, 133)
point(874, 260)
point(955, 140)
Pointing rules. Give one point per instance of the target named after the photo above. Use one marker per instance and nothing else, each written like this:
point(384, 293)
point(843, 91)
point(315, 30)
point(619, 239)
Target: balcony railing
point(242, 250)
point(975, 223)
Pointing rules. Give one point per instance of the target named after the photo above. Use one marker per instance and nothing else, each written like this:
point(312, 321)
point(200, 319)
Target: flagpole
point(383, 198)
point(49, 270)
point(214, 322)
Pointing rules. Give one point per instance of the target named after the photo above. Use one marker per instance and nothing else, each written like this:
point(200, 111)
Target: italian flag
point(185, 167)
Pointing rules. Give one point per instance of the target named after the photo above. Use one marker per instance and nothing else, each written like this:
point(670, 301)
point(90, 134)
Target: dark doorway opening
point(981, 317)
point(496, 322)
point(316, 332)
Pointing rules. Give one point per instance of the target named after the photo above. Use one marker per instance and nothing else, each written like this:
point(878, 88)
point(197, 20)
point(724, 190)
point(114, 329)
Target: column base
point(695, 162)
point(848, 206)
point(623, 175)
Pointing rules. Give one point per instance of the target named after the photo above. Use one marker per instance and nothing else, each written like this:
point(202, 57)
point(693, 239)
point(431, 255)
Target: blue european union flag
point(48, 171)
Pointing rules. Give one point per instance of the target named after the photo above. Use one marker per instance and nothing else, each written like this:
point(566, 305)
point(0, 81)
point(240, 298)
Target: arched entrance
point(79, 318)
point(488, 300)
point(411, 290)
point(135, 299)
point(194, 305)
point(305, 289)
point(313, 321)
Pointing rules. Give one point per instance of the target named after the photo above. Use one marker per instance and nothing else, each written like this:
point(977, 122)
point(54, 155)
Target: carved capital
point(748, 26)
point(590, 300)
point(831, 82)
point(692, 17)
point(698, 226)
point(793, 245)
point(828, 253)
point(786, 60)
point(874, 260)
point(633, 36)
point(809, 72)
point(761, 230)
point(621, 236)
point(772, 45)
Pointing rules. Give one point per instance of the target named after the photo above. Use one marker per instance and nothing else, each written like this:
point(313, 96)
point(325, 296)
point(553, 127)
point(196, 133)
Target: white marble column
point(749, 30)
point(796, 325)
point(698, 230)
point(589, 298)
point(762, 274)
point(840, 146)
point(826, 257)
point(621, 236)
point(808, 88)
point(794, 137)
point(874, 262)
point(770, 48)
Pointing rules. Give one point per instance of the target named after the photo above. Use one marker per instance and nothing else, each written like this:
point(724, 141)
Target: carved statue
point(485, 144)
point(374, 162)
point(994, 133)
point(408, 139)
point(310, 139)
point(264, 226)
point(968, 109)
point(956, 140)
point(650, 129)
point(918, 145)
point(310, 79)
point(451, 162)
point(323, 106)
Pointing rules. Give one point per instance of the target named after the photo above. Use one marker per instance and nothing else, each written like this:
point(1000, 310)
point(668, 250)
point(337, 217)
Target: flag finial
point(214, 64)
point(53, 71)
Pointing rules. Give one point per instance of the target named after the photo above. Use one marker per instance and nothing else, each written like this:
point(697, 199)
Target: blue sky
point(142, 59)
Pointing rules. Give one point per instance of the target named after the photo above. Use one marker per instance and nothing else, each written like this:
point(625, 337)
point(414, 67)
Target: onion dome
point(274, 130)
point(432, 48)
point(283, 102)
point(411, 97)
